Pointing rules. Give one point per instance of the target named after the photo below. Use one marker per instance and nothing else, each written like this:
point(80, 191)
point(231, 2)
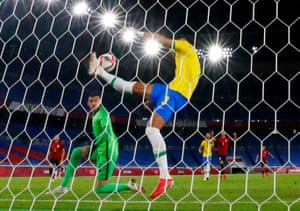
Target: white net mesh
point(253, 91)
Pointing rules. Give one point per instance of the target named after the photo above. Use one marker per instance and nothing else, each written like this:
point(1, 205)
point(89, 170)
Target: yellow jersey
point(187, 70)
point(206, 147)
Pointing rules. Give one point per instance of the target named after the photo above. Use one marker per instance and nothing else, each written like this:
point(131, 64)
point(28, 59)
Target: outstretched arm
point(200, 148)
point(161, 38)
point(62, 156)
point(148, 35)
point(257, 156)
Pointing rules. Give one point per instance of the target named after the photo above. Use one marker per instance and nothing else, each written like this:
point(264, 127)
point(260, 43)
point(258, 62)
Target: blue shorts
point(166, 101)
point(206, 159)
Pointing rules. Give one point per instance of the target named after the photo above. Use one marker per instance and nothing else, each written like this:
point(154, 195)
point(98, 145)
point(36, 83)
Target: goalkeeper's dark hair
point(94, 94)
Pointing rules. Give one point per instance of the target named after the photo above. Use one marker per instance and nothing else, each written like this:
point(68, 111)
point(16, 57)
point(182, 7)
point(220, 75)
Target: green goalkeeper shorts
point(105, 157)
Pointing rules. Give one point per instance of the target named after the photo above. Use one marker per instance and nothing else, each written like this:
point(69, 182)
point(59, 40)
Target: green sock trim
point(74, 161)
point(113, 82)
point(160, 154)
point(112, 187)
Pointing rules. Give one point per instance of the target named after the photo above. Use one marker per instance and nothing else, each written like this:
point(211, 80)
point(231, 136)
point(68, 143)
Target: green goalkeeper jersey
point(102, 127)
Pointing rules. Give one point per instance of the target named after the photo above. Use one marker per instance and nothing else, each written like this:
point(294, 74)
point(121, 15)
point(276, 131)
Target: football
point(107, 61)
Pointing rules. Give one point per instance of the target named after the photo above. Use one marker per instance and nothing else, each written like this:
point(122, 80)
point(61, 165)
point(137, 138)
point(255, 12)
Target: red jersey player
point(264, 160)
point(222, 144)
point(56, 157)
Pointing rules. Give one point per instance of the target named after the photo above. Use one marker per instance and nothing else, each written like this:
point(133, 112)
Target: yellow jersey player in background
point(206, 149)
point(166, 99)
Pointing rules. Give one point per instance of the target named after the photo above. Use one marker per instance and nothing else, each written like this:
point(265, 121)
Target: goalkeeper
point(104, 152)
point(166, 99)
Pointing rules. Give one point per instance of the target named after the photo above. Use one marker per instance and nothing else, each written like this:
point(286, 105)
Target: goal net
point(250, 57)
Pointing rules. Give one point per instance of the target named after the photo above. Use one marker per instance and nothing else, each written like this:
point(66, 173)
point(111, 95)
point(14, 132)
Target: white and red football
point(107, 61)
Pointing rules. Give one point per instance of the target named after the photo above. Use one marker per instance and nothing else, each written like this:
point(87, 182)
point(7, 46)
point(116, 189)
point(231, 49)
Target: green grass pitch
point(239, 192)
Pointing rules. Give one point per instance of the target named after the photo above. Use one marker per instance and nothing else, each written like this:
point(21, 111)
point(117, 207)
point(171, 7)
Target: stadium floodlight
point(201, 53)
point(109, 19)
point(128, 36)
point(254, 49)
point(152, 47)
point(80, 8)
point(215, 53)
point(227, 52)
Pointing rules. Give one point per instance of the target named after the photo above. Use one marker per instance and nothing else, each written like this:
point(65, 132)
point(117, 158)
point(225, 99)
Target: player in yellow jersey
point(206, 148)
point(166, 99)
